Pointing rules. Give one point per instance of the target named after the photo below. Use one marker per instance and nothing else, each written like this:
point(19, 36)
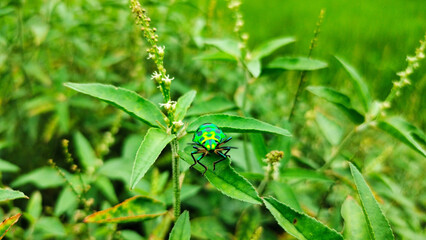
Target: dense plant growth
point(100, 101)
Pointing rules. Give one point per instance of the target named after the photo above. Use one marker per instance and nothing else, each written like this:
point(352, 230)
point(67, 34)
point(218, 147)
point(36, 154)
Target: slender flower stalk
point(164, 81)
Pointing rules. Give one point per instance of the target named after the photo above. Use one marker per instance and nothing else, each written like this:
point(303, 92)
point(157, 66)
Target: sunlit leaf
point(153, 144)
point(216, 56)
point(214, 105)
point(134, 209)
point(85, 152)
point(340, 100)
point(7, 223)
point(359, 84)
point(255, 67)
point(6, 166)
point(128, 101)
point(297, 63)
point(404, 132)
point(182, 228)
point(44, 177)
point(266, 48)
point(50, 227)
point(9, 194)
point(232, 123)
point(228, 46)
point(225, 178)
point(378, 225)
point(34, 206)
point(284, 194)
point(299, 224)
point(66, 202)
point(355, 226)
point(332, 131)
point(183, 104)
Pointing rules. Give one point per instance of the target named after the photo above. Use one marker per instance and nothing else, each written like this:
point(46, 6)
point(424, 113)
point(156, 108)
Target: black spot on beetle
point(201, 139)
point(217, 131)
point(199, 133)
point(208, 129)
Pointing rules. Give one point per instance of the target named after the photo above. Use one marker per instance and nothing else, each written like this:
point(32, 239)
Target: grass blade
point(126, 100)
point(183, 104)
point(378, 225)
point(153, 144)
point(131, 210)
point(182, 228)
point(359, 84)
point(299, 224)
point(225, 178)
point(7, 223)
point(231, 123)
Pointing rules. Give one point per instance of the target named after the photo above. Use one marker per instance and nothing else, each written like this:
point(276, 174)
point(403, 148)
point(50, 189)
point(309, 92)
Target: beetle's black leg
point(205, 168)
point(195, 161)
point(224, 156)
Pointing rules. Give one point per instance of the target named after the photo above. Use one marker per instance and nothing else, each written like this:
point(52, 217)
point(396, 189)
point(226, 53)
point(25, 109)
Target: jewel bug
point(209, 139)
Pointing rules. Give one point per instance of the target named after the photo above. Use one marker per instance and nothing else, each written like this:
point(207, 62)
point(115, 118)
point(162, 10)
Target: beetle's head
point(211, 144)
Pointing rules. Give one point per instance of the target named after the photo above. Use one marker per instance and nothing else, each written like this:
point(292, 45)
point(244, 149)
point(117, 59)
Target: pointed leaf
point(297, 63)
point(255, 67)
point(9, 194)
point(85, 152)
point(213, 105)
point(152, 145)
point(332, 131)
point(284, 194)
point(183, 104)
point(225, 178)
point(126, 100)
point(44, 177)
point(34, 206)
point(404, 132)
point(265, 49)
point(299, 224)
point(231, 123)
point(340, 100)
point(134, 209)
point(51, 227)
point(182, 228)
point(216, 56)
point(355, 225)
point(359, 83)
point(7, 223)
point(225, 45)
point(6, 166)
point(378, 225)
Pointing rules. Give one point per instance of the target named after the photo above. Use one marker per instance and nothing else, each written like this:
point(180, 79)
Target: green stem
point(337, 151)
point(175, 175)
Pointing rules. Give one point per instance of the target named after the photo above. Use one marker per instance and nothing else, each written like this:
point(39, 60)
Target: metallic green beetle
point(209, 139)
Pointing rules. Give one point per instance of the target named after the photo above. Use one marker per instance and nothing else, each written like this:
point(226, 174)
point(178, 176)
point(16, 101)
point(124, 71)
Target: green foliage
point(182, 228)
point(9, 194)
point(356, 226)
point(133, 209)
point(297, 63)
point(7, 223)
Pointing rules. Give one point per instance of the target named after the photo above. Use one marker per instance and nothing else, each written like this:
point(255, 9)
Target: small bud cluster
point(413, 63)
point(234, 5)
point(273, 163)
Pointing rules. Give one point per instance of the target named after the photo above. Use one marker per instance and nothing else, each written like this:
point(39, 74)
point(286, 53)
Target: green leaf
point(67, 202)
point(299, 173)
point(248, 222)
point(378, 225)
point(183, 104)
point(6, 166)
point(216, 56)
point(332, 131)
point(39, 29)
point(404, 132)
point(214, 105)
point(107, 189)
point(134, 209)
point(255, 67)
point(284, 194)
point(228, 46)
point(225, 178)
point(154, 142)
point(265, 49)
point(207, 228)
point(85, 152)
point(44, 177)
point(50, 227)
point(297, 63)
point(299, 224)
point(359, 84)
point(186, 191)
point(9, 194)
point(259, 146)
point(182, 228)
point(231, 123)
point(355, 226)
point(340, 100)
point(7, 223)
point(34, 206)
point(128, 101)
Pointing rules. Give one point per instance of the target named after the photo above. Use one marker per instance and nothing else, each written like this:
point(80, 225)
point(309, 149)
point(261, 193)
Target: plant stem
point(336, 152)
point(175, 176)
